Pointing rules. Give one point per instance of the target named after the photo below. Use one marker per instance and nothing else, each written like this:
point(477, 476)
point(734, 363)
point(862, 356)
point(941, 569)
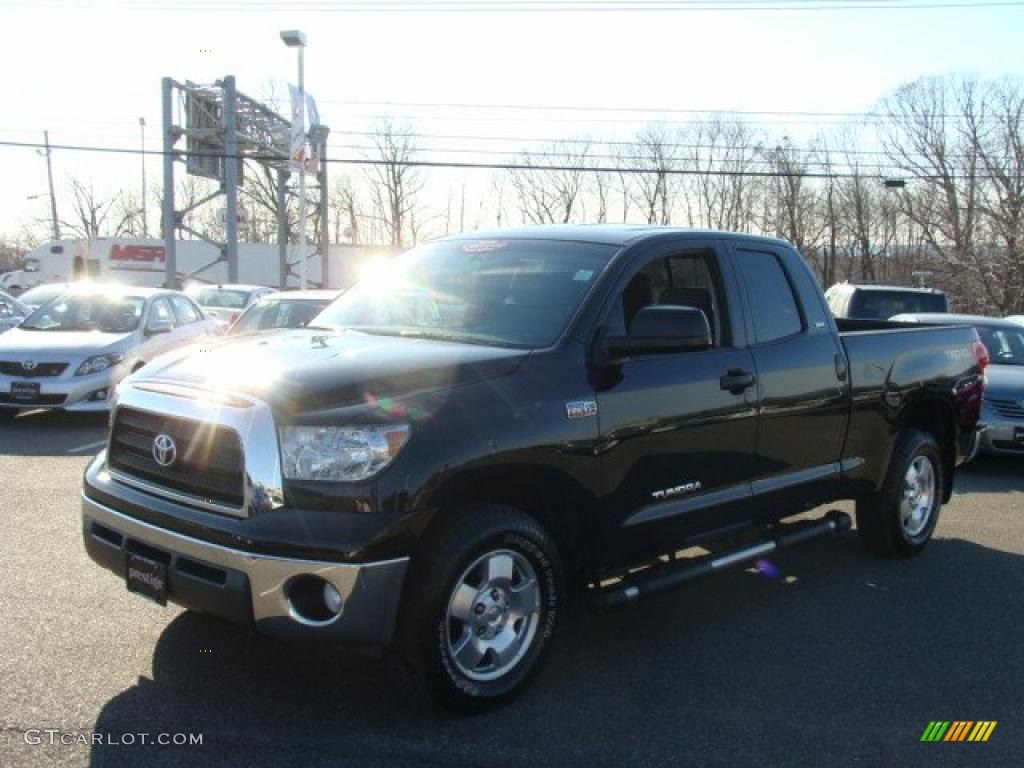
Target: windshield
point(1005, 345)
point(109, 314)
point(278, 313)
point(518, 293)
point(881, 305)
point(221, 297)
point(36, 297)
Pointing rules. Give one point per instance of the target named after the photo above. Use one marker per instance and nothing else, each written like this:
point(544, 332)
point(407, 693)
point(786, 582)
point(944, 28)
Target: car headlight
point(98, 363)
point(339, 453)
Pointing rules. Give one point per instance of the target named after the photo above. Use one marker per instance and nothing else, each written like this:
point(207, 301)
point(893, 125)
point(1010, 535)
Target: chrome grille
point(1008, 409)
point(208, 466)
point(9, 368)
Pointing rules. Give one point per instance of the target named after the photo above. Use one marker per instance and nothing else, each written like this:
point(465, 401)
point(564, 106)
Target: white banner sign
point(297, 144)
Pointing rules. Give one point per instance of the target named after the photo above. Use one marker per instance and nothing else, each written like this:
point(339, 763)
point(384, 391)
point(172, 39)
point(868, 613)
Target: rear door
point(677, 430)
point(801, 380)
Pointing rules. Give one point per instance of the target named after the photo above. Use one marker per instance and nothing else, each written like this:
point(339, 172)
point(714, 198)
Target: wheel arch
point(937, 418)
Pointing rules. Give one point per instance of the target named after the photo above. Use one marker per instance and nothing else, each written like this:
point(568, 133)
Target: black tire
point(481, 534)
point(886, 523)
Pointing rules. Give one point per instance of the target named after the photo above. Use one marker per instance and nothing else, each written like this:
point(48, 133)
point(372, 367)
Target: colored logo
point(959, 730)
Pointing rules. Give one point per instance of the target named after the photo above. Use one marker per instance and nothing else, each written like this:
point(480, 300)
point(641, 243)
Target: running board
point(666, 576)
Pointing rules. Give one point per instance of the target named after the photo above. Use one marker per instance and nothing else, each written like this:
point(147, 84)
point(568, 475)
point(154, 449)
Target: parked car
point(1003, 408)
point(578, 404)
point(287, 309)
point(36, 297)
point(878, 302)
point(70, 352)
point(12, 312)
point(227, 301)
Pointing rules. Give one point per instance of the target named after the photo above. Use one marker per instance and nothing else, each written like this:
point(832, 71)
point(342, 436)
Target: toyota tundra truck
point(491, 427)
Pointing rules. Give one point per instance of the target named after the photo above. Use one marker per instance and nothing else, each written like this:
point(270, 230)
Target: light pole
point(293, 38)
point(53, 198)
point(142, 131)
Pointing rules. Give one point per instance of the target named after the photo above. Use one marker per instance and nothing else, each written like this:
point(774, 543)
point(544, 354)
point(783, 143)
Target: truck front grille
point(8, 368)
point(208, 463)
point(1008, 409)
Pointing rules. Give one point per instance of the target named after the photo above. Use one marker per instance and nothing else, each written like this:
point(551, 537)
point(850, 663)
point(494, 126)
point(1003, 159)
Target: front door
point(677, 430)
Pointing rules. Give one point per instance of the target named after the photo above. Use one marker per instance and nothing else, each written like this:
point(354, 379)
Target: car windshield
point(223, 298)
point(36, 297)
point(87, 312)
point(278, 313)
point(1005, 345)
point(518, 293)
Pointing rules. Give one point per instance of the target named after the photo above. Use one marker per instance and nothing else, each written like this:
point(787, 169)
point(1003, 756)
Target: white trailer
point(138, 261)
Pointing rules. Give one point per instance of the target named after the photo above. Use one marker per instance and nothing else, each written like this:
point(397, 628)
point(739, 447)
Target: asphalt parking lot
point(843, 660)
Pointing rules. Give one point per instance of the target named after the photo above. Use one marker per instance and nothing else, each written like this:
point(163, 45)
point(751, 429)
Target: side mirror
point(661, 330)
point(158, 325)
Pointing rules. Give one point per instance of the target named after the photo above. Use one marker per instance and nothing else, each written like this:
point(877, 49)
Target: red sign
point(139, 253)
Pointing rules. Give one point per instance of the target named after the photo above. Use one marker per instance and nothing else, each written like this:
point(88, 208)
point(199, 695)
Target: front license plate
point(25, 391)
point(147, 578)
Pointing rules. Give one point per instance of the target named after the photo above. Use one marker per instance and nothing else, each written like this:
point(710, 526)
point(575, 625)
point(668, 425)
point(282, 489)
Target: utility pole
point(145, 225)
point(53, 200)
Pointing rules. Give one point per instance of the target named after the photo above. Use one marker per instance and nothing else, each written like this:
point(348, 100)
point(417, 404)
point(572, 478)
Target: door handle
point(736, 381)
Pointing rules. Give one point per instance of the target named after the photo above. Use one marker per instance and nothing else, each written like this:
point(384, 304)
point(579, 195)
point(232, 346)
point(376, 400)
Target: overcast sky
point(88, 71)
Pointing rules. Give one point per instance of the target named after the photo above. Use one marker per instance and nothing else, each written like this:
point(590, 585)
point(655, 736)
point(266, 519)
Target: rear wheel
point(483, 608)
point(899, 520)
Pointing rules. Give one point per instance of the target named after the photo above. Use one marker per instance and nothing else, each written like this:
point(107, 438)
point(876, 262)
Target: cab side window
point(773, 307)
point(161, 311)
point(685, 280)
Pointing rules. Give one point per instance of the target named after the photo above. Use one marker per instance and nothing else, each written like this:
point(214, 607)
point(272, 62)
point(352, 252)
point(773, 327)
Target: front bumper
point(67, 391)
point(247, 587)
point(1002, 437)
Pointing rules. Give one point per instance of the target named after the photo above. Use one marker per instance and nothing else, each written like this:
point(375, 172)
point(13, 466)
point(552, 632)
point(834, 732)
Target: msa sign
point(138, 257)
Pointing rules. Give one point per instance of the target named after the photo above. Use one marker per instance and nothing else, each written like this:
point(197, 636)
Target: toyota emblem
point(165, 451)
point(29, 365)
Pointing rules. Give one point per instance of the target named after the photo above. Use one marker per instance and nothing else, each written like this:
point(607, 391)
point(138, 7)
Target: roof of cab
point(609, 234)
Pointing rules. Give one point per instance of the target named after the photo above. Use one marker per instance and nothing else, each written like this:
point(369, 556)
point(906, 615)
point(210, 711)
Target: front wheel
point(900, 518)
point(482, 609)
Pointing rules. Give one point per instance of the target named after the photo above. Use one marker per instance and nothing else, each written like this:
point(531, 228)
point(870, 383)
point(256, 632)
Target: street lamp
point(293, 38)
point(142, 130)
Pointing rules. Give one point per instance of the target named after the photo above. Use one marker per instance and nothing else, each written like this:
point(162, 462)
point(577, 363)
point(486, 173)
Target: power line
point(489, 166)
point(550, 6)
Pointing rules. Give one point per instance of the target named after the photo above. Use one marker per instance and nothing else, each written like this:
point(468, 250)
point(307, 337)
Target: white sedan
point(71, 352)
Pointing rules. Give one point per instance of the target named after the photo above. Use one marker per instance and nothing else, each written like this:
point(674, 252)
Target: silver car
point(12, 312)
point(1002, 409)
point(71, 352)
point(227, 301)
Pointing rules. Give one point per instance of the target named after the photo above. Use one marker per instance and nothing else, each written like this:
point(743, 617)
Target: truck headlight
point(339, 453)
point(98, 363)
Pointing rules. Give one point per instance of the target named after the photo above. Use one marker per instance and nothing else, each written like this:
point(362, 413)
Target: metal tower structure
point(222, 129)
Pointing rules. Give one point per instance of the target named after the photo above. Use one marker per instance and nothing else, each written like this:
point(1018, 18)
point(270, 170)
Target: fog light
point(99, 394)
point(332, 598)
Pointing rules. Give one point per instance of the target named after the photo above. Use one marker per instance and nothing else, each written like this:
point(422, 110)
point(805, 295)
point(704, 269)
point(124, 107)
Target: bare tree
point(94, 215)
point(723, 153)
point(550, 189)
point(395, 185)
point(656, 151)
point(1001, 150)
point(931, 130)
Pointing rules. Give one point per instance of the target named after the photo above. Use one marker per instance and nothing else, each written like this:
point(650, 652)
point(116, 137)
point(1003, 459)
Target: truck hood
point(21, 343)
point(309, 370)
point(1004, 380)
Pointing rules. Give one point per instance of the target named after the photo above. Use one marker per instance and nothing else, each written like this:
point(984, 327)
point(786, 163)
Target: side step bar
point(661, 578)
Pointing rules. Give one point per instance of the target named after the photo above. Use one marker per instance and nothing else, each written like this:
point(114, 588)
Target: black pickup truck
point(492, 425)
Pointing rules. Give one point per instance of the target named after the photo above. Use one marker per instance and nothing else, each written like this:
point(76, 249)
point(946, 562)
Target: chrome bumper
point(252, 587)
